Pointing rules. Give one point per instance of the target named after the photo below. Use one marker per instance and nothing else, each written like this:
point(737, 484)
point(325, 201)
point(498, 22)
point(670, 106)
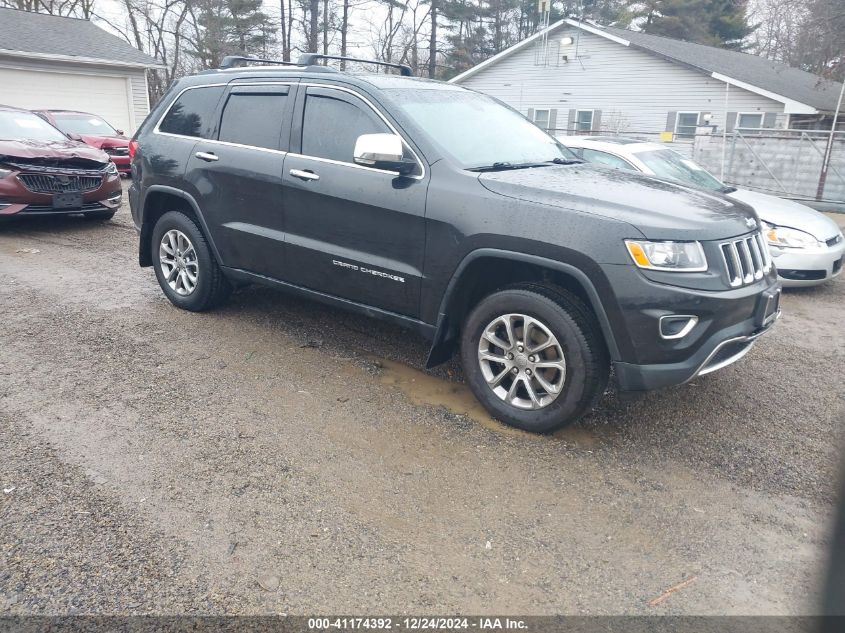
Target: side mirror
point(382, 151)
point(73, 136)
point(119, 132)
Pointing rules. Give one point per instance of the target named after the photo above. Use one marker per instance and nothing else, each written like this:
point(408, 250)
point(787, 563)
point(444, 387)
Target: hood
point(103, 142)
point(51, 150)
point(783, 212)
point(658, 208)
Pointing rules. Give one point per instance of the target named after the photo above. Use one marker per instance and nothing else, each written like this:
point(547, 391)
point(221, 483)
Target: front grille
point(833, 241)
point(60, 183)
point(48, 208)
point(746, 259)
point(802, 275)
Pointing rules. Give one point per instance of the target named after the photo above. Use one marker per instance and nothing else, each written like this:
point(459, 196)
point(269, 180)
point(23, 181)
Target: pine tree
point(230, 27)
point(713, 22)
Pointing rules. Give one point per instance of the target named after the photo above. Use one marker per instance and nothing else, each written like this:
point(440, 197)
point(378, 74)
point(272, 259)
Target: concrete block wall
point(782, 166)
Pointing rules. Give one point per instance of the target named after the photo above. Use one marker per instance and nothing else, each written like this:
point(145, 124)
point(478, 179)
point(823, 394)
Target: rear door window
point(603, 158)
point(254, 116)
point(192, 114)
point(332, 122)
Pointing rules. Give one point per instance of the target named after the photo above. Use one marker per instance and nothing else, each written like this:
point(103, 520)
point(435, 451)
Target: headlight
point(112, 168)
point(686, 257)
point(4, 173)
point(786, 237)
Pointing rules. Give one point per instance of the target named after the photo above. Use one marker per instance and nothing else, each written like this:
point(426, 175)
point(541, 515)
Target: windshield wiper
point(504, 165)
point(727, 189)
point(499, 166)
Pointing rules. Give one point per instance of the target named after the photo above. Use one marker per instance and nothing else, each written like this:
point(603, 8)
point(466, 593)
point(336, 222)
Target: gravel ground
point(279, 456)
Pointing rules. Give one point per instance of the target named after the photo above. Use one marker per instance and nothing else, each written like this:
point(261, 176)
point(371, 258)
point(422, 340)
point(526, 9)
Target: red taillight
point(133, 145)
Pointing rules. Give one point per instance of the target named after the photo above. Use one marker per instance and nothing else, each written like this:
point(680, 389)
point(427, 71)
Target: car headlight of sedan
point(4, 172)
point(683, 257)
point(786, 237)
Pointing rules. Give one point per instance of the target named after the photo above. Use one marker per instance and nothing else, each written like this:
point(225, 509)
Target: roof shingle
point(42, 34)
point(781, 79)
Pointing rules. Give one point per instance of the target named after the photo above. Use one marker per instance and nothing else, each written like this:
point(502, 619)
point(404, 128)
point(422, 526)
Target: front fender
point(443, 342)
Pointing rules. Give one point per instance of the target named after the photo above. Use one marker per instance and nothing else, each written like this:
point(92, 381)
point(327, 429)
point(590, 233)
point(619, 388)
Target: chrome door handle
point(304, 175)
point(207, 156)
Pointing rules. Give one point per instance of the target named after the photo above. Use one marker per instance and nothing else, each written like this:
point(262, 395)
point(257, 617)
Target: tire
point(558, 319)
point(209, 287)
point(100, 215)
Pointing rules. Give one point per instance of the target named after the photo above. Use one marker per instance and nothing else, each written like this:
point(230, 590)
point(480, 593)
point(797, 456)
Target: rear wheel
point(184, 264)
point(534, 357)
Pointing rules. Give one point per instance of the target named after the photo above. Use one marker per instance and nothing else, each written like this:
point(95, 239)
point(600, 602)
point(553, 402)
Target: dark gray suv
point(442, 209)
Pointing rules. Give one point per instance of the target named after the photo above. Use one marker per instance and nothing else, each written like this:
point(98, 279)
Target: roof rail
point(232, 61)
point(310, 59)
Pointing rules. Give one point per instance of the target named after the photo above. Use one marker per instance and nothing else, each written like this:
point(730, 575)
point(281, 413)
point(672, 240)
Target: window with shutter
point(584, 121)
point(541, 118)
point(686, 123)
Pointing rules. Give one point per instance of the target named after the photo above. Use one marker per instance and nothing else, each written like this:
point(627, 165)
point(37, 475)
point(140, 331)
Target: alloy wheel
point(178, 260)
point(522, 361)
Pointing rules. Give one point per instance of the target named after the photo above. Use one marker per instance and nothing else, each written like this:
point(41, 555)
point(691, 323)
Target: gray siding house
point(52, 62)
point(576, 77)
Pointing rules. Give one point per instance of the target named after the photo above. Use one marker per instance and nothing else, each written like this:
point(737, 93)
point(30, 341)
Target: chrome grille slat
point(746, 259)
point(747, 263)
point(764, 251)
point(755, 255)
point(52, 183)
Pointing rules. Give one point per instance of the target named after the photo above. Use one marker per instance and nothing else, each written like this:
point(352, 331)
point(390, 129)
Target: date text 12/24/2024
point(417, 623)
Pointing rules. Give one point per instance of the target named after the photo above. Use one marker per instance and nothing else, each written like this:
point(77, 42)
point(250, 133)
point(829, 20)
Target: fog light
point(675, 326)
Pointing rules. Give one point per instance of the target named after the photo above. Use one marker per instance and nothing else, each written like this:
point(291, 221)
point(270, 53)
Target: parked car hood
point(103, 142)
point(51, 150)
point(658, 208)
point(782, 212)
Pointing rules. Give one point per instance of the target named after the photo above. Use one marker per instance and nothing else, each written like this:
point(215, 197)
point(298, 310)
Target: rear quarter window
point(192, 114)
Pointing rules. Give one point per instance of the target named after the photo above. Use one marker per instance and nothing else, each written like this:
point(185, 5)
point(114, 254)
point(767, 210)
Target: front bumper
point(728, 322)
point(709, 358)
point(808, 266)
point(17, 200)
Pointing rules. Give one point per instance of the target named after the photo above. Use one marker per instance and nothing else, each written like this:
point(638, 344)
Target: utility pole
point(829, 149)
point(432, 42)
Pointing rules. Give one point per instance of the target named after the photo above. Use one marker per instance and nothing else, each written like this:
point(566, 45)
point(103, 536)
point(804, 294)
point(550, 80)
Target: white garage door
point(105, 96)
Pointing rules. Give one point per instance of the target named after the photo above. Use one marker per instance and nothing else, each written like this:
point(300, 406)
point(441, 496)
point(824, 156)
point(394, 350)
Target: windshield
point(478, 131)
point(671, 165)
point(83, 124)
point(16, 126)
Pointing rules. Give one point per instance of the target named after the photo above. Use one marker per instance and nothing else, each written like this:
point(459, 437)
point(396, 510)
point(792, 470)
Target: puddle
point(424, 389)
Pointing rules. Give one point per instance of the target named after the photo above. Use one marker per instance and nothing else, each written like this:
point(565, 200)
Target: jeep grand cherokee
point(439, 208)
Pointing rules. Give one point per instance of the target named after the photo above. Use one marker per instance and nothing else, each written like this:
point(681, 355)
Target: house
point(577, 76)
point(48, 61)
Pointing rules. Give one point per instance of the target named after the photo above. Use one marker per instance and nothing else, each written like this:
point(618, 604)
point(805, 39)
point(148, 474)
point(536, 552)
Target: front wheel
point(184, 264)
point(534, 357)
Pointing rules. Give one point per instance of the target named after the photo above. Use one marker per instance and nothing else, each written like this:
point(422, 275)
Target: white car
point(806, 246)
